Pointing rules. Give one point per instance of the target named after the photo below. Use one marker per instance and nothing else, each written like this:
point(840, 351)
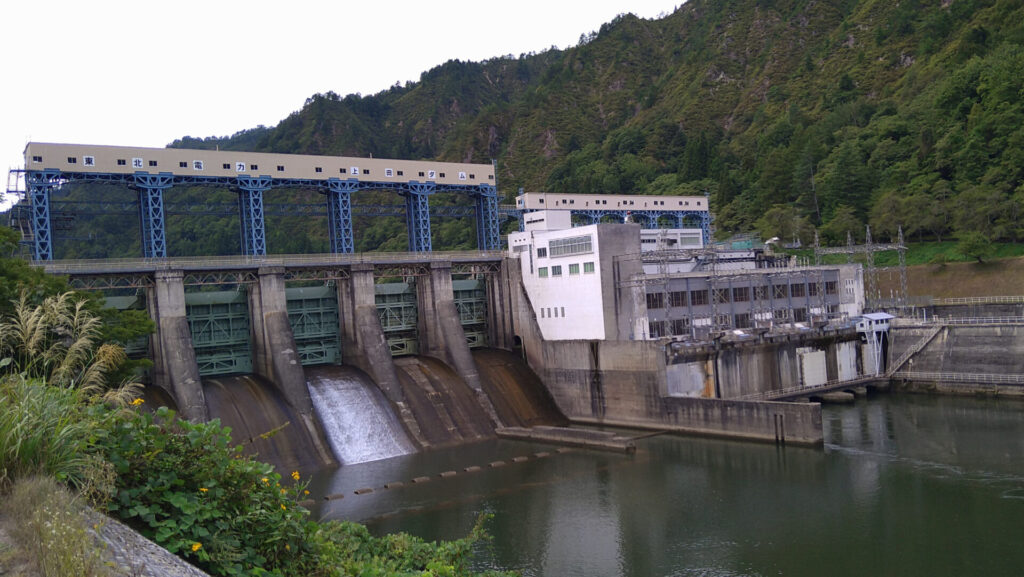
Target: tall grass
point(53, 528)
point(43, 430)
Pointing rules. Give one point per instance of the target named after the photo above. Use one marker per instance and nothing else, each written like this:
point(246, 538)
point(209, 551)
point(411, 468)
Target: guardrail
point(942, 321)
point(807, 390)
point(88, 266)
point(981, 378)
point(979, 300)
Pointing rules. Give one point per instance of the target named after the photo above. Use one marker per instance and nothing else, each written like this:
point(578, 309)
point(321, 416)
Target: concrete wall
point(994, 349)
point(625, 383)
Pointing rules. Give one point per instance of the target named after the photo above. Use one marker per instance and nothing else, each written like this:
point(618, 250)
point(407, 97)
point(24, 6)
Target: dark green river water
point(905, 485)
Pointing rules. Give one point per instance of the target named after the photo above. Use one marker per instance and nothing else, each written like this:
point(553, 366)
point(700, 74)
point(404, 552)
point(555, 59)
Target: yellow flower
point(203, 489)
point(283, 508)
point(266, 481)
point(283, 491)
point(295, 475)
point(287, 547)
point(305, 492)
point(138, 402)
point(196, 547)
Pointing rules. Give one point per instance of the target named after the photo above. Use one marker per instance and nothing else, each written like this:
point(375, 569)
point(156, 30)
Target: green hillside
point(791, 115)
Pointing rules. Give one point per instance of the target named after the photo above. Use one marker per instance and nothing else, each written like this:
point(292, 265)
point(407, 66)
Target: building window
point(37, 159)
point(812, 289)
point(680, 326)
point(441, 175)
point(699, 298)
point(588, 267)
point(421, 174)
point(254, 167)
point(798, 290)
point(657, 329)
point(655, 301)
point(280, 168)
point(831, 287)
point(120, 162)
point(319, 169)
point(472, 176)
point(400, 173)
point(741, 294)
point(490, 176)
point(366, 171)
point(89, 160)
point(152, 163)
point(572, 245)
point(543, 313)
point(556, 270)
point(182, 164)
point(574, 268)
point(343, 170)
point(542, 252)
point(760, 293)
point(72, 160)
point(780, 291)
point(677, 299)
point(742, 321)
point(849, 286)
point(542, 272)
point(227, 166)
point(800, 315)
point(563, 312)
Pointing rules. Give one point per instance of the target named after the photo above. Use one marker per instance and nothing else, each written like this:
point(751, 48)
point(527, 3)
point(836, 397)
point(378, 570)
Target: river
point(905, 485)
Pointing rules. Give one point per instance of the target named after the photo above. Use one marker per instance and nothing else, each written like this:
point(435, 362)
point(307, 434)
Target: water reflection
point(905, 485)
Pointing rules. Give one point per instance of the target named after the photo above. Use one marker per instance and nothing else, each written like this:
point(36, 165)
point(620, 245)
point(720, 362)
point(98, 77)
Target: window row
point(571, 245)
point(683, 326)
point(241, 167)
point(552, 312)
point(737, 294)
point(574, 268)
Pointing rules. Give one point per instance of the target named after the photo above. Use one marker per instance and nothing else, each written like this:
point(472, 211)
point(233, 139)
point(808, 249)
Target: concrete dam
point(368, 360)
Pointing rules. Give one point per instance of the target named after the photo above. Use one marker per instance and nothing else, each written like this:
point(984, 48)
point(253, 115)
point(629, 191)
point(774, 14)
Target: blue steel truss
point(151, 212)
point(152, 209)
point(488, 233)
point(40, 185)
point(250, 207)
point(648, 219)
point(339, 214)
point(417, 214)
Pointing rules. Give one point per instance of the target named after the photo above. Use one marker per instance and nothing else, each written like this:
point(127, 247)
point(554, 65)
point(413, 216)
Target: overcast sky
point(142, 73)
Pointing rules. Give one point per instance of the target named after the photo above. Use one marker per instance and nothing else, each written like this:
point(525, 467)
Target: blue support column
point(417, 215)
point(705, 227)
point(652, 220)
point(151, 212)
point(40, 185)
point(250, 208)
point(488, 231)
point(339, 214)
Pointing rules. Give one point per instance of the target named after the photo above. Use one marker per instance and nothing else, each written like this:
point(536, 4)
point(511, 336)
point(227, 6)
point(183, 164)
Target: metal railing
point(92, 266)
point(942, 321)
point(807, 390)
point(980, 378)
point(916, 348)
point(979, 300)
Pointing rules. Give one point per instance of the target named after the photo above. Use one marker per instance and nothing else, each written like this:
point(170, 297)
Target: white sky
point(143, 73)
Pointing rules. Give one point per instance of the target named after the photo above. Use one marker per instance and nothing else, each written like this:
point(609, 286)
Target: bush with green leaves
point(185, 486)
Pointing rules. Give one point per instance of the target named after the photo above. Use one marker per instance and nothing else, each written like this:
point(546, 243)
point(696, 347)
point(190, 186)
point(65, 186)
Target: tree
point(975, 245)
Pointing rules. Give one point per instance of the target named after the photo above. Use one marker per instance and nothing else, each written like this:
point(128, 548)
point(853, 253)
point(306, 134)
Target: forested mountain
point(790, 114)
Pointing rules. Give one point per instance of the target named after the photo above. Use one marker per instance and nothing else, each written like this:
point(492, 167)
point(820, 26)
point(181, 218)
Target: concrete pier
point(275, 356)
point(174, 361)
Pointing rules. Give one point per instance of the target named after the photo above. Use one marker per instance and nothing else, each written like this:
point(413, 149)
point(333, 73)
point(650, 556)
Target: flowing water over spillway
point(357, 419)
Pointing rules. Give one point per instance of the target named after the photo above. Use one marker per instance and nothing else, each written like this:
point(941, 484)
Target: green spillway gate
point(396, 307)
point(219, 322)
point(313, 315)
point(471, 304)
